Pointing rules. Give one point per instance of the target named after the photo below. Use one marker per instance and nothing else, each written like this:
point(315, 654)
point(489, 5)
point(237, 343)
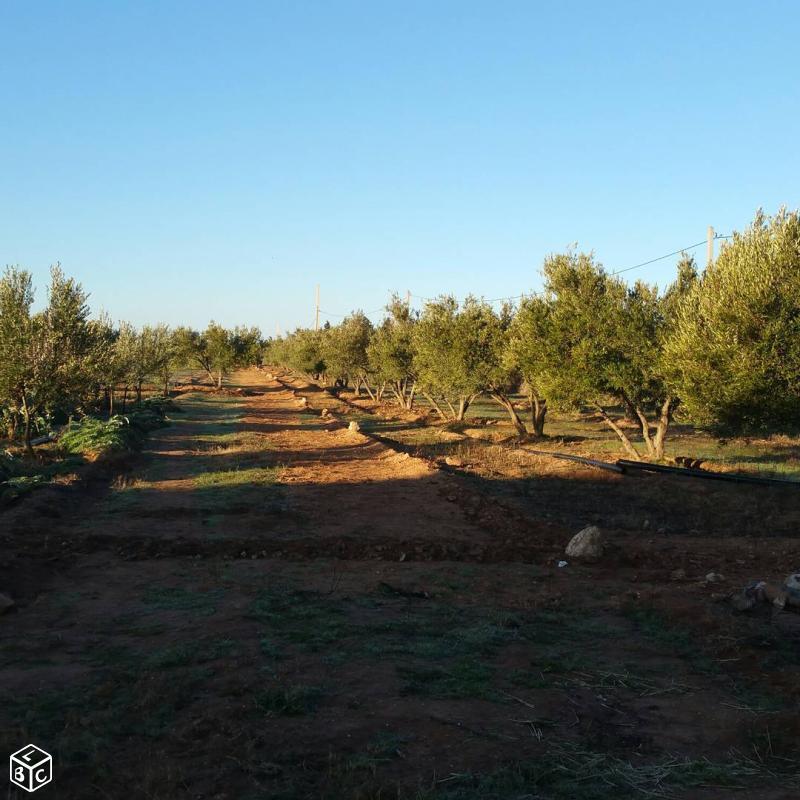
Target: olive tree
point(16, 332)
point(213, 351)
point(459, 354)
point(42, 355)
point(248, 345)
point(527, 350)
point(391, 353)
point(344, 350)
point(300, 350)
point(735, 349)
point(605, 342)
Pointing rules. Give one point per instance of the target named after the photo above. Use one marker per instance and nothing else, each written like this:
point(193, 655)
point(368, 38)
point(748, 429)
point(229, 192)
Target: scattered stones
point(715, 577)
point(6, 603)
point(452, 461)
point(354, 426)
point(793, 582)
point(325, 413)
point(778, 595)
point(588, 543)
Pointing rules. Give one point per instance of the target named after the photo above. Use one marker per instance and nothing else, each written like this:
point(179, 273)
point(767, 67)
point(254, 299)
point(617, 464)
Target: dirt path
point(268, 605)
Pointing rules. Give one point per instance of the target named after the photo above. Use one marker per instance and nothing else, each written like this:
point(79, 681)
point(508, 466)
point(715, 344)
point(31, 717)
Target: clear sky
point(198, 160)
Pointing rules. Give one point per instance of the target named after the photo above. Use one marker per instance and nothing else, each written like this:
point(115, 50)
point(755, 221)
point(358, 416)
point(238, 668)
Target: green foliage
point(117, 435)
point(217, 350)
point(390, 352)
point(92, 435)
point(597, 338)
point(42, 354)
point(301, 350)
point(459, 351)
point(248, 346)
point(735, 351)
point(344, 350)
point(528, 351)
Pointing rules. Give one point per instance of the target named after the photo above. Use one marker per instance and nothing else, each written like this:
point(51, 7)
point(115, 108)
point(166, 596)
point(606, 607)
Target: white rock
point(586, 544)
point(793, 582)
point(354, 426)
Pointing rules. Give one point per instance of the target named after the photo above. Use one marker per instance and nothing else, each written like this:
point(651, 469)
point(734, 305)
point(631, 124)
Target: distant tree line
point(722, 347)
point(60, 362)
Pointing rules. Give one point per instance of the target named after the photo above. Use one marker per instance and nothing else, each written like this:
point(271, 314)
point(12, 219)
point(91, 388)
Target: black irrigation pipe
point(580, 459)
point(690, 472)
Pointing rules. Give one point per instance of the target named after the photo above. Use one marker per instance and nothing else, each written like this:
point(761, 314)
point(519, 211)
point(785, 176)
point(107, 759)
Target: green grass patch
point(171, 598)
point(569, 772)
point(304, 619)
point(182, 655)
point(238, 478)
point(669, 638)
point(463, 678)
point(289, 701)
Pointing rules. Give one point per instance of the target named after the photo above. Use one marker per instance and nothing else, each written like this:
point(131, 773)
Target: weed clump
point(120, 434)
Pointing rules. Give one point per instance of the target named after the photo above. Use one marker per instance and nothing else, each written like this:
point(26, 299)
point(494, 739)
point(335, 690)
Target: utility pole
point(408, 299)
point(710, 247)
point(316, 316)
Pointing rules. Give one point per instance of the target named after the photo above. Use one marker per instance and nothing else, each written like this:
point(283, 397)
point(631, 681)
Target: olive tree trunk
point(538, 413)
point(26, 415)
point(626, 442)
point(506, 403)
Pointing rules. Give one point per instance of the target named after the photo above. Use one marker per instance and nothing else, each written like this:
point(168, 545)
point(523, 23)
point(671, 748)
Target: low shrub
point(120, 434)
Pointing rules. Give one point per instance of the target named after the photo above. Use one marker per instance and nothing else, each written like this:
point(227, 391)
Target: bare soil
point(265, 604)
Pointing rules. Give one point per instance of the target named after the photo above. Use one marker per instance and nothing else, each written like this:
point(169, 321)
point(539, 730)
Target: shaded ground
point(267, 605)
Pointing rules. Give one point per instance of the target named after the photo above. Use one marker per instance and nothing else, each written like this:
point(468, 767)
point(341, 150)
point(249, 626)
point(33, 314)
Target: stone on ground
point(589, 543)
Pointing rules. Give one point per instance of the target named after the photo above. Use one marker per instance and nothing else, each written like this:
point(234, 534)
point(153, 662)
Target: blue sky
point(197, 160)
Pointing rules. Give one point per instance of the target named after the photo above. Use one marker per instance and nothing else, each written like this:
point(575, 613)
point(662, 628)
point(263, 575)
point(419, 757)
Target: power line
point(534, 294)
point(668, 255)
